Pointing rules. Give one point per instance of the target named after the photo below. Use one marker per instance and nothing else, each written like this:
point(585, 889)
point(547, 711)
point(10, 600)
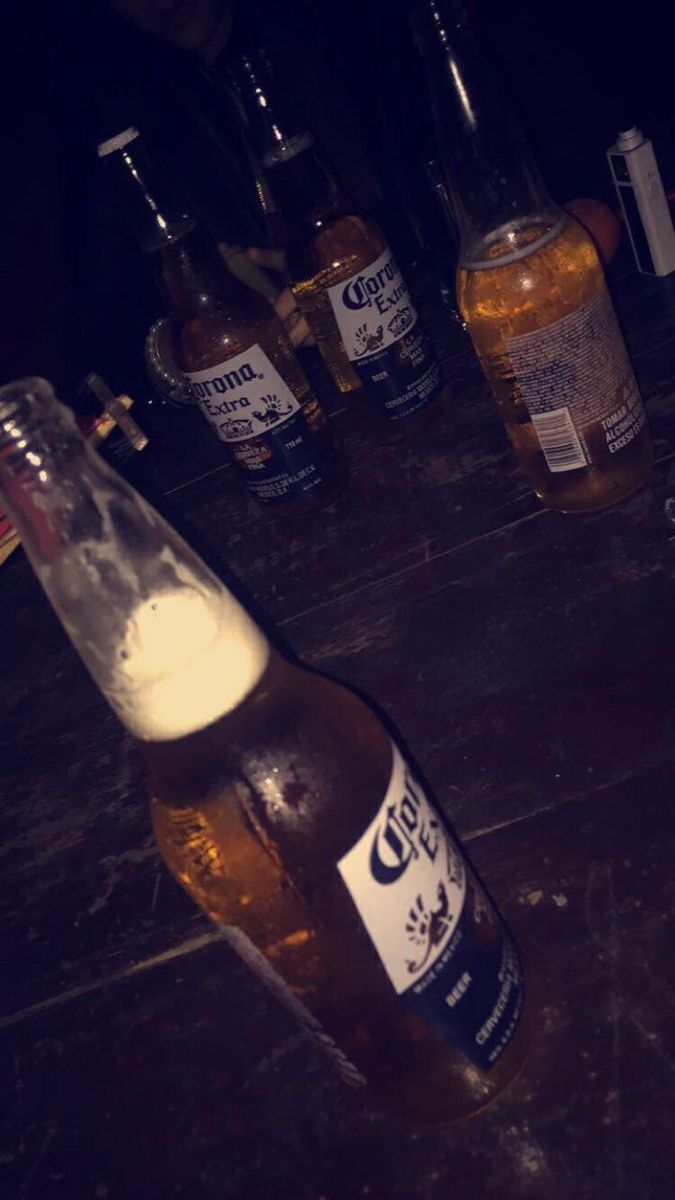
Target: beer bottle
point(531, 290)
point(231, 346)
point(343, 274)
point(279, 802)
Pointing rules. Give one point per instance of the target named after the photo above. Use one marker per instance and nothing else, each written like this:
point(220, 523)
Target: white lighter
point(643, 200)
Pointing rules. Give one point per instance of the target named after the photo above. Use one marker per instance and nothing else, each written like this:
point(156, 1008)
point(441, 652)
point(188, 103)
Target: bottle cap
point(629, 139)
point(118, 142)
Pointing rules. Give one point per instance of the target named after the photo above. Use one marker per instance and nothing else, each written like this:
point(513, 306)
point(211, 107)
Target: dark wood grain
point(527, 658)
point(182, 1077)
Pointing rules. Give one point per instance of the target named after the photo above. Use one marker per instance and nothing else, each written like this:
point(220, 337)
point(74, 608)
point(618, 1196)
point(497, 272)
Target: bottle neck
point(500, 202)
point(196, 279)
point(166, 642)
point(154, 209)
point(184, 258)
point(302, 183)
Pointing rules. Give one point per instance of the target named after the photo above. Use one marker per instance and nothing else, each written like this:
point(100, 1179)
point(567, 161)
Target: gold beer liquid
point(557, 279)
point(314, 305)
point(301, 764)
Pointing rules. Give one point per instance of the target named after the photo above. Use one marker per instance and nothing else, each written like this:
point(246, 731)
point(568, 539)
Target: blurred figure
point(202, 26)
point(202, 139)
point(162, 65)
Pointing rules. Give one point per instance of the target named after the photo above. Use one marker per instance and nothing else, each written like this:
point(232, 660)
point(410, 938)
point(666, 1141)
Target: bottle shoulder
point(316, 759)
point(339, 244)
point(221, 333)
point(554, 273)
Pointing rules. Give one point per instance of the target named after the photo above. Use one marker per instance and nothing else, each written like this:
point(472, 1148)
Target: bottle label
point(441, 942)
point(577, 382)
point(253, 411)
point(379, 326)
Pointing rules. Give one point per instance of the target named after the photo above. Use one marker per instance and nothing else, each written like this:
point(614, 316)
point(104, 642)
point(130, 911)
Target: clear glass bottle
point(343, 274)
point(279, 801)
point(531, 290)
point(231, 347)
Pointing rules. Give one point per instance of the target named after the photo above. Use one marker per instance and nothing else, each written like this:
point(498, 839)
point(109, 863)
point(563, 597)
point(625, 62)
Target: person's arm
point(252, 267)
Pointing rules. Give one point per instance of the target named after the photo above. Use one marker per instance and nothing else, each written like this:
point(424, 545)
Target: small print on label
point(573, 374)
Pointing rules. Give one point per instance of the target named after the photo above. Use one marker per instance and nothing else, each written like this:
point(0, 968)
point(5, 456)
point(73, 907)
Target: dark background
point(76, 295)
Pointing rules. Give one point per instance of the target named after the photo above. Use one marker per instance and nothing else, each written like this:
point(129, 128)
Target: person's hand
point(285, 304)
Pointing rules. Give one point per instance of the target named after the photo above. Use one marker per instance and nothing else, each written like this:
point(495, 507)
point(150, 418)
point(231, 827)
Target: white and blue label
point(253, 410)
point(243, 397)
point(444, 947)
point(384, 340)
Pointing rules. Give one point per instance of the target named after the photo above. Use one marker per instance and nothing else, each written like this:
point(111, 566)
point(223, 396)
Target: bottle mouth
point(30, 385)
point(28, 407)
point(22, 399)
point(629, 139)
point(118, 142)
point(252, 69)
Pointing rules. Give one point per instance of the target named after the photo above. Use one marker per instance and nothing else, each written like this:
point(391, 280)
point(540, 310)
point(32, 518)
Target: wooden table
point(528, 659)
